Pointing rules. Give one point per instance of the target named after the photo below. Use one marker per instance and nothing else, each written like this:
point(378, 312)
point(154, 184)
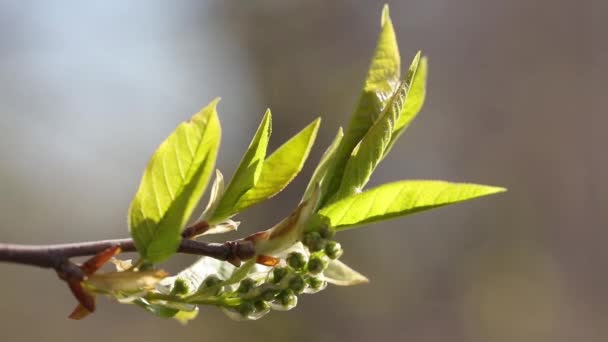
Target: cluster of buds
point(300, 270)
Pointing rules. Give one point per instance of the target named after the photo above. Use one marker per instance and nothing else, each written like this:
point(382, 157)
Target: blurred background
point(87, 92)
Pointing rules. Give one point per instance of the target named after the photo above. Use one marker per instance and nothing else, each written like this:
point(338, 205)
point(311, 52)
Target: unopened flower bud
point(246, 285)
point(314, 282)
point(268, 294)
point(261, 305)
point(315, 285)
point(211, 281)
point(314, 241)
point(246, 308)
point(333, 250)
point(286, 298)
point(279, 273)
point(210, 286)
point(296, 260)
point(297, 284)
point(327, 232)
point(180, 287)
point(316, 265)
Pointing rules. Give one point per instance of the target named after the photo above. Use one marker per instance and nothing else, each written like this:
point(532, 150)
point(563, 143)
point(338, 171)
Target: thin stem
point(213, 300)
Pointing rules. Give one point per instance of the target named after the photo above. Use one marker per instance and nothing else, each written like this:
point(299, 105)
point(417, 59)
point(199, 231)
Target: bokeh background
point(88, 90)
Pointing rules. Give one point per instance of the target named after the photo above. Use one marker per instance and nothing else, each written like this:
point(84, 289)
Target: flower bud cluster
point(300, 271)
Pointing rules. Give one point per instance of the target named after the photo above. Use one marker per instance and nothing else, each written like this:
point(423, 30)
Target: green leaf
point(371, 150)
point(172, 184)
point(416, 80)
point(320, 172)
point(399, 199)
point(380, 84)
point(281, 167)
point(248, 172)
point(338, 273)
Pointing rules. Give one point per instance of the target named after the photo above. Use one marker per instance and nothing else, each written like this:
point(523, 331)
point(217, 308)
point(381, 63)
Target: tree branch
point(57, 256)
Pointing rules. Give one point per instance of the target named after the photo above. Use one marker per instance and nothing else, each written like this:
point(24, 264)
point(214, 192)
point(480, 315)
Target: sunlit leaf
point(247, 173)
point(380, 84)
point(127, 281)
point(399, 199)
point(281, 167)
point(370, 151)
point(173, 183)
point(338, 273)
point(320, 172)
point(416, 80)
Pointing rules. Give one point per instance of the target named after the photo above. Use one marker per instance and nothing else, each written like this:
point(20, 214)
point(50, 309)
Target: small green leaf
point(173, 183)
point(215, 195)
point(399, 199)
point(338, 273)
point(281, 167)
point(371, 150)
point(320, 173)
point(248, 172)
point(416, 80)
point(380, 84)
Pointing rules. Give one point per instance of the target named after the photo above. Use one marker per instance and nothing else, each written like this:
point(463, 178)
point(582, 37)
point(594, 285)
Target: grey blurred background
point(87, 91)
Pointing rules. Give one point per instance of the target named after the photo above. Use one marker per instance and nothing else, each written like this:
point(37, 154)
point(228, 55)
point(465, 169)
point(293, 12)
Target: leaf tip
point(385, 15)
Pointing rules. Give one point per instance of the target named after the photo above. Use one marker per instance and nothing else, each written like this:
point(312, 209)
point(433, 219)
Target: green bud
point(210, 286)
point(211, 281)
point(297, 284)
point(268, 294)
point(333, 250)
point(246, 308)
point(296, 260)
point(316, 265)
point(286, 298)
point(314, 282)
point(327, 232)
point(180, 287)
point(278, 274)
point(261, 305)
point(314, 241)
point(246, 285)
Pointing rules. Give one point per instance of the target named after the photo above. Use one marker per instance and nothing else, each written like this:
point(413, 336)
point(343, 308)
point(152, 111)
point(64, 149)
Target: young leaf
point(381, 82)
point(321, 170)
point(338, 273)
point(281, 167)
point(217, 191)
point(173, 183)
point(416, 80)
point(399, 199)
point(247, 173)
point(371, 150)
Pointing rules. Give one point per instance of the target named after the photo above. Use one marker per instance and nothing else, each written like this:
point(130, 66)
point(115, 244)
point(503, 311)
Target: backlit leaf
point(380, 84)
point(281, 167)
point(371, 150)
point(173, 183)
point(338, 273)
point(248, 172)
point(399, 199)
